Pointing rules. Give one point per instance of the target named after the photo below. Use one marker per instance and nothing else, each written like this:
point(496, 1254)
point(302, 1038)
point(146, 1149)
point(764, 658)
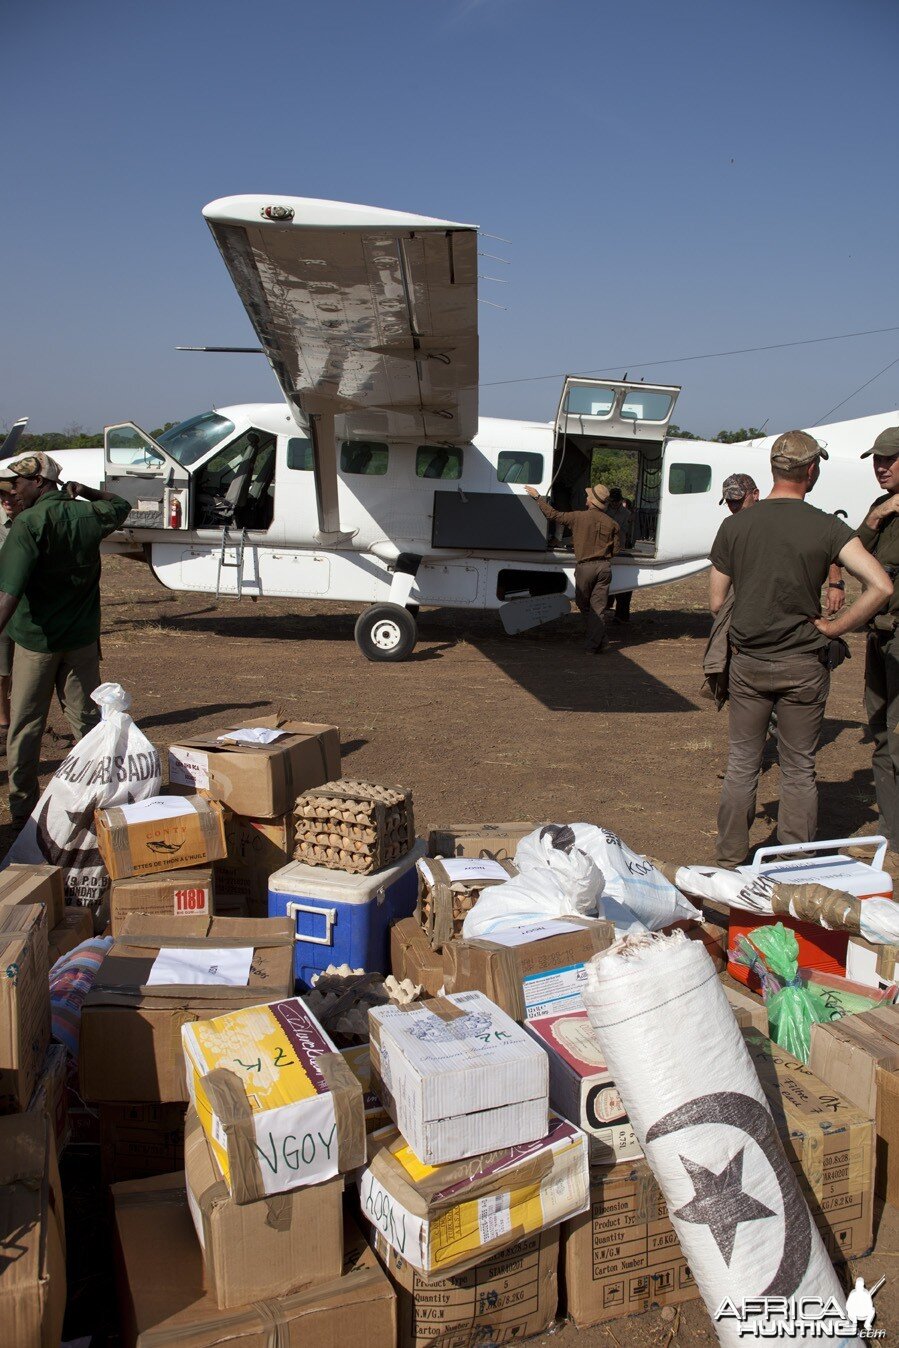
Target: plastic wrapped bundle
point(686, 1080)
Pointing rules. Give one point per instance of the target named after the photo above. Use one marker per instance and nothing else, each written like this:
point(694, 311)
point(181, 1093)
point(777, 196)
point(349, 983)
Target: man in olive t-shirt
point(777, 557)
point(50, 606)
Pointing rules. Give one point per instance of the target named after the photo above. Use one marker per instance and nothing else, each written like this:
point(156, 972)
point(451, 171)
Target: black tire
point(386, 632)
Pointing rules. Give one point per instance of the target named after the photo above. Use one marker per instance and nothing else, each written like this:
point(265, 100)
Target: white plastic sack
point(632, 880)
point(688, 1084)
point(115, 764)
point(555, 879)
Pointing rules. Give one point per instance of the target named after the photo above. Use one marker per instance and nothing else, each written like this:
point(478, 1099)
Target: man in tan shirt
point(596, 538)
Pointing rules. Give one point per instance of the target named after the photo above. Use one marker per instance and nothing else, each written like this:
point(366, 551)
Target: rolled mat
point(686, 1080)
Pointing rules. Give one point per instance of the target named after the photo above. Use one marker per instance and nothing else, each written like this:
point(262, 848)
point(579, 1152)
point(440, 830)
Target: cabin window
point(438, 461)
point(299, 454)
point(519, 466)
point(589, 400)
point(642, 404)
point(368, 457)
point(689, 479)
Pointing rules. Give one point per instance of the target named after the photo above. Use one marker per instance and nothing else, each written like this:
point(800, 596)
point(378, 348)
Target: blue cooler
point(342, 918)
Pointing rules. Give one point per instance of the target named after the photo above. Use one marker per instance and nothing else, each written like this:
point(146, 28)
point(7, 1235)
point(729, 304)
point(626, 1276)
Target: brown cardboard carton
point(622, 1257)
point(448, 889)
point(51, 1094)
point(829, 1141)
point(877, 966)
point(256, 849)
point(535, 978)
point(750, 1011)
point(162, 833)
point(358, 1057)
point(76, 926)
point(32, 1234)
point(258, 780)
point(412, 956)
point(497, 841)
point(511, 1296)
point(20, 883)
point(161, 1296)
point(137, 1140)
point(130, 1047)
point(256, 1251)
point(859, 1058)
point(187, 893)
point(24, 1003)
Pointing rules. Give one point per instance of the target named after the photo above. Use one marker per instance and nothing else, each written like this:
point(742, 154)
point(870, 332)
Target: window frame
point(529, 454)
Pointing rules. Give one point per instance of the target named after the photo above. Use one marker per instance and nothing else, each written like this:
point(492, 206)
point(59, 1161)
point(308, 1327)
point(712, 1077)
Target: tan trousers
point(796, 687)
point(591, 594)
point(73, 676)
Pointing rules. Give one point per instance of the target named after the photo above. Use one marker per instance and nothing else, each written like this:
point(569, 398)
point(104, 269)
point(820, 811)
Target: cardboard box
point(859, 1058)
point(877, 966)
point(258, 780)
point(140, 1139)
point(622, 1256)
point(256, 849)
point(448, 889)
point(497, 841)
point(256, 1251)
point(750, 1011)
point(458, 1077)
point(161, 1296)
point(24, 1003)
point(32, 1234)
point(130, 1046)
point(20, 883)
point(450, 1218)
point(77, 925)
point(359, 1059)
point(187, 893)
point(529, 971)
point(509, 1297)
point(412, 956)
point(279, 1104)
point(51, 1094)
point(162, 833)
point(829, 1141)
point(581, 1088)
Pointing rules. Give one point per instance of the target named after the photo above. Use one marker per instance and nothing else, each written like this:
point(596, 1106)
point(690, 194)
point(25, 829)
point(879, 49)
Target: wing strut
point(324, 455)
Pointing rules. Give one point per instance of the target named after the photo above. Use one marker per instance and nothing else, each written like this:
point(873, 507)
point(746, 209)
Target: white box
point(458, 1076)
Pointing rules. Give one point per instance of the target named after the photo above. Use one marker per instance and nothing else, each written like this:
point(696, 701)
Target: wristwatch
point(836, 585)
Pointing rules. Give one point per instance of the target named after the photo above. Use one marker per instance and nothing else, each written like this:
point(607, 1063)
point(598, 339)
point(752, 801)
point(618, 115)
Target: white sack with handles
point(688, 1085)
point(632, 880)
point(555, 879)
point(115, 764)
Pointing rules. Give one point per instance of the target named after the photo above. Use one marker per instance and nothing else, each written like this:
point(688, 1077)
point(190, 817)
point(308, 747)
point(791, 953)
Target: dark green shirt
point(884, 544)
point(51, 561)
point(777, 554)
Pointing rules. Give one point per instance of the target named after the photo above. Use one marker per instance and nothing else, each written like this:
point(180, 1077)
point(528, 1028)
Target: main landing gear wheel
point(386, 632)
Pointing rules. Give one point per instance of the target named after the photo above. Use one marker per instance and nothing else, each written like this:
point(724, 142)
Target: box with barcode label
point(187, 893)
point(277, 1100)
point(444, 1219)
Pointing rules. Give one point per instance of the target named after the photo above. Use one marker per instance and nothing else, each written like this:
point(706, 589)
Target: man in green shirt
point(50, 606)
point(776, 557)
point(879, 531)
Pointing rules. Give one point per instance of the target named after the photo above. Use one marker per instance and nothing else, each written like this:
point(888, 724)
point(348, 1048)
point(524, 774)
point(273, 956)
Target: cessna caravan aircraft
point(375, 481)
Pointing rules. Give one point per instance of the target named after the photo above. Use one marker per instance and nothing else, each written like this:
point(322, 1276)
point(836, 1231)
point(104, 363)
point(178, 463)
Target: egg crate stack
point(353, 826)
point(446, 894)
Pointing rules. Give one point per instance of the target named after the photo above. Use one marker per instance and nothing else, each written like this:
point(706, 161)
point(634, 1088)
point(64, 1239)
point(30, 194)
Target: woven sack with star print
point(675, 1052)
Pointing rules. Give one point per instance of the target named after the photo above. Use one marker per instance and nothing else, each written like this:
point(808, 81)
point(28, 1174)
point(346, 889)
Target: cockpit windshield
point(190, 440)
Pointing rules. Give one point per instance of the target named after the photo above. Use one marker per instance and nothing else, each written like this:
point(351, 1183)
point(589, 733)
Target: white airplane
point(375, 481)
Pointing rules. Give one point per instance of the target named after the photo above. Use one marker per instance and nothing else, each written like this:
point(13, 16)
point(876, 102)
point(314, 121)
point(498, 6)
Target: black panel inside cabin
point(483, 520)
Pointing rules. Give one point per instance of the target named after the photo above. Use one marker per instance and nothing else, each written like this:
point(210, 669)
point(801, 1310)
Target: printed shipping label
point(467, 869)
point(555, 991)
point(530, 931)
point(189, 767)
point(156, 807)
point(206, 965)
point(494, 1216)
point(193, 901)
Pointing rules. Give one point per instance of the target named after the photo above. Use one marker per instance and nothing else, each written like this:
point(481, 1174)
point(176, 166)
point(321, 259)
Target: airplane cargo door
point(138, 469)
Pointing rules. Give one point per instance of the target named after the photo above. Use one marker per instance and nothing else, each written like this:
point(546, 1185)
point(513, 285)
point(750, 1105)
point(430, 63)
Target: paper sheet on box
point(465, 869)
point(530, 931)
point(256, 735)
point(156, 807)
point(228, 966)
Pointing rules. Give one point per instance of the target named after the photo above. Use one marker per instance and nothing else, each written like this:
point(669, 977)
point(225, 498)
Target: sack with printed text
point(115, 764)
point(555, 879)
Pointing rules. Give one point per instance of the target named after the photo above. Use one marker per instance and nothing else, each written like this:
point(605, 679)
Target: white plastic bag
point(634, 881)
point(689, 1086)
point(115, 764)
point(555, 879)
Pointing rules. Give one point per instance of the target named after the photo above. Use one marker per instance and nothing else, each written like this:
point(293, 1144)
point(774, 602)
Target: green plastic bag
point(793, 1008)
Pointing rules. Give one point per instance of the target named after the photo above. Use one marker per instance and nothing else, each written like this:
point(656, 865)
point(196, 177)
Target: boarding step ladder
point(236, 565)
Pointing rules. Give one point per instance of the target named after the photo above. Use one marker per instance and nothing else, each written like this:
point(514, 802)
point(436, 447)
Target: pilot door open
point(613, 431)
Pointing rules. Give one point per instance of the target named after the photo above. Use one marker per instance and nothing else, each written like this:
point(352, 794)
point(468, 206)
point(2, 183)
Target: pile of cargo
point(321, 1113)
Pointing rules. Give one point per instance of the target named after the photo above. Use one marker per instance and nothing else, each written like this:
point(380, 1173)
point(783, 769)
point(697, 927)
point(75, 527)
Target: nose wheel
point(386, 632)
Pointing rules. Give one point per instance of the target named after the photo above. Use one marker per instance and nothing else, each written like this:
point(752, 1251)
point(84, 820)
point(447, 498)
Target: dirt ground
point(486, 727)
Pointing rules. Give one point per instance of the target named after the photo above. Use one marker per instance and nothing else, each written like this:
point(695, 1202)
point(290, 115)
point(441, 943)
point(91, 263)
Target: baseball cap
point(735, 487)
point(597, 495)
point(794, 449)
point(30, 465)
point(886, 444)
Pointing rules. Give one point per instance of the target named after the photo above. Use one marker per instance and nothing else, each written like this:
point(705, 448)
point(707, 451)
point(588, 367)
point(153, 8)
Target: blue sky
point(674, 178)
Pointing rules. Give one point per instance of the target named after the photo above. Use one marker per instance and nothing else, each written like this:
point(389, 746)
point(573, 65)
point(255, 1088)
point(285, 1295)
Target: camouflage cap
point(33, 465)
point(886, 445)
point(735, 487)
point(794, 449)
point(598, 495)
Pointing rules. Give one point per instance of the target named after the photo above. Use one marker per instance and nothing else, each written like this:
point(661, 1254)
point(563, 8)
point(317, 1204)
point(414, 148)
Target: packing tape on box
point(117, 829)
point(231, 1107)
point(829, 908)
point(278, 1207)
point(350, 1121)
point(647, 1195)
point(145, 1198)
point(144, 942)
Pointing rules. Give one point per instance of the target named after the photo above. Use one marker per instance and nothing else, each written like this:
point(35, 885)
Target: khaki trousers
point(73, 676)
point(796, 687)
point(882, 706)
point(591, 593)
